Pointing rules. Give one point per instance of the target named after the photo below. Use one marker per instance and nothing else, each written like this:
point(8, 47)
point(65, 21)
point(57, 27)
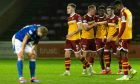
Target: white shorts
point(17, 46)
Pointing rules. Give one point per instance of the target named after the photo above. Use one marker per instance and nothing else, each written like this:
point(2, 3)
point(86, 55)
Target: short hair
point(111, 7)
point(72, 5)
point(91, 6)
point(43, 29)
point(101, 7)
point(116, 2)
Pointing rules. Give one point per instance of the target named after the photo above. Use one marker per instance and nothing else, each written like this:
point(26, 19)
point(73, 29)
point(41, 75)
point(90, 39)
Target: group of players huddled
point(99, 32)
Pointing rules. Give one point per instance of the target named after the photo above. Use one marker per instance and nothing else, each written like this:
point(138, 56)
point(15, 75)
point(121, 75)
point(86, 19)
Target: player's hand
point(34, 52)
point(69, 35)
point(109, 39)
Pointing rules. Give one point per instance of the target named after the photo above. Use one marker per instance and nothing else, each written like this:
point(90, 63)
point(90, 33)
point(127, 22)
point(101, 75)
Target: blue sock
point(32, 65)
point(20, 68)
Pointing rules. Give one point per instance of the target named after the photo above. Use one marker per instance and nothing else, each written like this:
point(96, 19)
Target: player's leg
point(68, 49)
point(107, 56)
point(32, 62)
point(120, 64)
point(101, 56)
point(85, 62)
point(67, 62)
point(77, 51)
point(92, 49)
point(84, 53)
point(125, 48)
point(124, 66)
point(100, 53)
point(91, 58)
point(119, 57)
point(124, 52)
point(85, 49)
point(17, 45)
point(91, 61)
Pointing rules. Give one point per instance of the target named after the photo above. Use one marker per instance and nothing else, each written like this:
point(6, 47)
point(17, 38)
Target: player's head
point(101, 10)
point(71, 8)
point(110, 10)
point(92, 9)
point(118, 5)
point(42, 31)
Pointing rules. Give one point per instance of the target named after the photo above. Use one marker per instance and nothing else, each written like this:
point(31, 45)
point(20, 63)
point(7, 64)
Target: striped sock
point(91, 60)
point(125, 65)
point(84, 61)
point(107, 59)
point(67, 63)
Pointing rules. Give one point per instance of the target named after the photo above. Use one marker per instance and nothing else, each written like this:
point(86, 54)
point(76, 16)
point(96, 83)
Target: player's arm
point(26, 38)
point(87, 27)
point(117, 29)
point(123, 24)
point(35, 44)
point(24, 43)
point(102, 23)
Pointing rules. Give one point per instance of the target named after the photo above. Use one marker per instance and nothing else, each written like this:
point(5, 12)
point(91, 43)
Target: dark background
point(52, 13)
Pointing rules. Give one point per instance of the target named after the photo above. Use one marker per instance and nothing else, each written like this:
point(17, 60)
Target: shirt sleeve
point(123, 24)
point(84, 20)
point(31, 32)
point(78, 19)
point(123, 17)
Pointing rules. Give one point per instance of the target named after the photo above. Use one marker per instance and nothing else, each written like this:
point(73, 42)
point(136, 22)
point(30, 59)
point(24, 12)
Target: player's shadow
point(99, 74)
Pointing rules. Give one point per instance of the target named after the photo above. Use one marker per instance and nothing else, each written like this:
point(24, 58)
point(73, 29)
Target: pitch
point(49, 71)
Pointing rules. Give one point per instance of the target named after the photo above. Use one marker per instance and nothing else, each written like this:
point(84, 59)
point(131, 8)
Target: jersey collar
point(89, 15)
point(102, 16)
point(112, 17)
point(72, 14)
point(122, 9)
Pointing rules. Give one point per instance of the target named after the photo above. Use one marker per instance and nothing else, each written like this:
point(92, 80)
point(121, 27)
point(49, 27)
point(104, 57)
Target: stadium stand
point(53, 14)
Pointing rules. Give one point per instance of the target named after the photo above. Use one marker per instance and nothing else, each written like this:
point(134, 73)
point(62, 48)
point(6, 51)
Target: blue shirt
point(31, 30)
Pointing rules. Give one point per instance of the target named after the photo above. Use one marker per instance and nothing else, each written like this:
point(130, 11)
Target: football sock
point(102, 61)
point(120, 63)
point(32, 66)
point(91, 60)
point(84, 66)
point(67, 63)
point(84, 61)
point(107, 59)
point(129, 67)
point(125, 65)
point(20, 67)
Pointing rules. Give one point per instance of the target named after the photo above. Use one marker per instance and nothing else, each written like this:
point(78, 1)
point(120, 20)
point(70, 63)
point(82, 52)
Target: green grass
point(49, 72)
